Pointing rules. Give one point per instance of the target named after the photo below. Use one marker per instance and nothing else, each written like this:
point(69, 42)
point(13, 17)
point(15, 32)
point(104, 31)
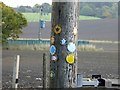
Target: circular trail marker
point(75, 31)
point(70, 58)
point(52, 39)
point(52, 50)
point(54, 58)
point(71, 47)
point(52, 74)
point(63, 41)
point(57, 29)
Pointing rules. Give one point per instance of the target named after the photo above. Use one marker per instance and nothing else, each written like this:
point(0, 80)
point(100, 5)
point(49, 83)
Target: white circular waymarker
point(52, 50)
point(54, 58)
point(63, 41)
point(71, 47)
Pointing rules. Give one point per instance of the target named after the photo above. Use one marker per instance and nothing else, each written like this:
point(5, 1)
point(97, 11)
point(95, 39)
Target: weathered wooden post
point(45, 71)
point(63, 47)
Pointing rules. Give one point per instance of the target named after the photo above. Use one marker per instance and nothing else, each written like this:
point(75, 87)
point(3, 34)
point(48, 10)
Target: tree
point(87, 11)
point(12, 22)
point(36, 8)
point(107, 13)
point(118, 10)
point(98, 12)
point(46, 8)
point(24, 9)
point(21, 9)
point(114, 10)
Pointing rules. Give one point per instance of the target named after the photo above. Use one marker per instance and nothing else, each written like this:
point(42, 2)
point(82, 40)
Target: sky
point(16, 3)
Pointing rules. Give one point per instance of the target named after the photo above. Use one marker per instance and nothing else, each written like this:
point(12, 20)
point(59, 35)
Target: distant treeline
point(96, 9)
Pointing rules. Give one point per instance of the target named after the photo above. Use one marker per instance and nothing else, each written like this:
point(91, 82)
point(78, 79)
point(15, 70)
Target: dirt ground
point(30, 75)
point(103, 29)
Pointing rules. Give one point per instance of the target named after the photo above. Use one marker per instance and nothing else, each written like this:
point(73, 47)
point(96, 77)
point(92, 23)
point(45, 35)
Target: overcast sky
point(16, 3)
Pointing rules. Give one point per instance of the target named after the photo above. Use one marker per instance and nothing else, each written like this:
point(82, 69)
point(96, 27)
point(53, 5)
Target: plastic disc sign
point(52, 74)
point(57, 29)
point(75, 31)
point(52, 39)
point(52, 50)
point(63, 41)
point(54, 58)
point(70, 58)
point(71, 47)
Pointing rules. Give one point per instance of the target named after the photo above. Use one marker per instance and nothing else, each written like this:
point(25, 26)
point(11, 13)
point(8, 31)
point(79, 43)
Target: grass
point(89, 48)
point(45, 47)
point(34, 17)
point(88, 18)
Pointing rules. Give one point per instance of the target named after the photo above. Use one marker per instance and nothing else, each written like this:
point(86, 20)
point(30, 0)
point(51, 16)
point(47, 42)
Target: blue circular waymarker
point(52, 50)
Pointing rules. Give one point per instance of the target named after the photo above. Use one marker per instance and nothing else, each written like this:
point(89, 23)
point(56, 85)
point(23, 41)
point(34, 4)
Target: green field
point(35, 17)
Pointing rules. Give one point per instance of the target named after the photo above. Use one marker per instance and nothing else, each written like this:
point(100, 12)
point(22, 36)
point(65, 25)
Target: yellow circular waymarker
point(70, 58)
point(57, 29)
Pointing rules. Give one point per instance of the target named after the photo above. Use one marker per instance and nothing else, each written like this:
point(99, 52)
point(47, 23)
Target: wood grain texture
point(65, 15)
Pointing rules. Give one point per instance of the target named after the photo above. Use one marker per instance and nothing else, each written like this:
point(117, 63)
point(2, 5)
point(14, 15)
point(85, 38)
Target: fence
point(35, 42)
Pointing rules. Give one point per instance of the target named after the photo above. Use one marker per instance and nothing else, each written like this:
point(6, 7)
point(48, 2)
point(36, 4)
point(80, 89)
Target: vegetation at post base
point(12, 22)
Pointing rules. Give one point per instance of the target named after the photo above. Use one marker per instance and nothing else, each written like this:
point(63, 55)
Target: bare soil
point(30, 75)
point(103, 29)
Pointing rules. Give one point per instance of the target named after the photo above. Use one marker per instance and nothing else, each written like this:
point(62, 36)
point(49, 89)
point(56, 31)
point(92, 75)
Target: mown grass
point(88, 18)
point(35, 17)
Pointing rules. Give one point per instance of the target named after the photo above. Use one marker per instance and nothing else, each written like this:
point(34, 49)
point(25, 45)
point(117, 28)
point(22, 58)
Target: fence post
point(45, 72)
point(16, 72)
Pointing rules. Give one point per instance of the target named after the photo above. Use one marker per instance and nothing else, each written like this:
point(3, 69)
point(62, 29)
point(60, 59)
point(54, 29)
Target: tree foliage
point(36, 8)
point(87, 11)
point(46, 8)
point(24, 9)
point(12, 22)
point(97, 9)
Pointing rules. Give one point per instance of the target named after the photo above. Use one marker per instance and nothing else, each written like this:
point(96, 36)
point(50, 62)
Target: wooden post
point(63, 45)
point(45, 71)
point(16, 72)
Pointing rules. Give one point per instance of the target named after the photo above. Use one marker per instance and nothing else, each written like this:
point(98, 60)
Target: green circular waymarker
point(70, 58)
